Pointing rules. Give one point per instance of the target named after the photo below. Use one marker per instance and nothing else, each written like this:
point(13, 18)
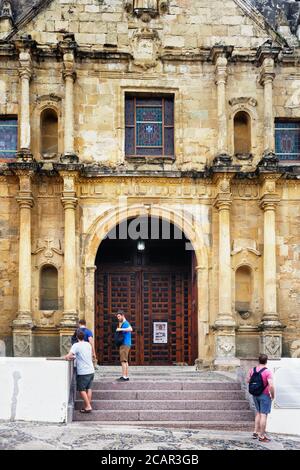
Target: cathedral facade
point(150, 162)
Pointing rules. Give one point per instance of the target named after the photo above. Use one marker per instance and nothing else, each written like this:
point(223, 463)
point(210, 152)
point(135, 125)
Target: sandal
point(255, 435)
point(264, 439)
point(85, 411)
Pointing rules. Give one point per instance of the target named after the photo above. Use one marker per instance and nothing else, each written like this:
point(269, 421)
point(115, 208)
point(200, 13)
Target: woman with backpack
point(260, 380)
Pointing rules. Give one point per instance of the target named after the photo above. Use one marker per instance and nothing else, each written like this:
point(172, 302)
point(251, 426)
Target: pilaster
point(220, 56)
point(68, 50)
point(271, 327)
point(70, 313)
point(25, 73)
point(23, 324)
point(225, 324)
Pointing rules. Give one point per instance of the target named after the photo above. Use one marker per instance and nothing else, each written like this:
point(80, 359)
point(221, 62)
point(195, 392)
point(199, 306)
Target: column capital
point(69, 202)
point(219, 52)
point(268, 190)
point(69, 62)
point(266, 51)
point(25, 70)
point(269, 202)
point(69, 74)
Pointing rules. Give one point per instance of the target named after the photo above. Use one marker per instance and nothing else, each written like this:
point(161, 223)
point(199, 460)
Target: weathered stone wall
point(173, 56)
point(9, 232)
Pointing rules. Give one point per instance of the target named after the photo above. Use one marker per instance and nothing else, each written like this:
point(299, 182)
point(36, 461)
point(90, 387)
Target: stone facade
point(79, 59)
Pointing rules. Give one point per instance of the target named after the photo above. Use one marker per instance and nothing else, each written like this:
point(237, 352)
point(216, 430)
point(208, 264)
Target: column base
point(69, 158)
point(269, 161)
point(22, 337)
point(222, 160)
point(24, 155)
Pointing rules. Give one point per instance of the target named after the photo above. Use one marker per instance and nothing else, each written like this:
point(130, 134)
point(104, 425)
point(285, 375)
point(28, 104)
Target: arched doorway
point(146, 267)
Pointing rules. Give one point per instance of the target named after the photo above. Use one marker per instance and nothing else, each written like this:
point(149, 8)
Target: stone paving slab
point(92, 436)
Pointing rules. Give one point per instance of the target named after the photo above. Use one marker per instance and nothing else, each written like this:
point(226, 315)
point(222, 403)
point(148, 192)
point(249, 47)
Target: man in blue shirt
point(126, 328)
point(88, 336)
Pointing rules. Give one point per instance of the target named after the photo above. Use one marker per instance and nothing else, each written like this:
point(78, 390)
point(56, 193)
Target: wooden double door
point(158, 302)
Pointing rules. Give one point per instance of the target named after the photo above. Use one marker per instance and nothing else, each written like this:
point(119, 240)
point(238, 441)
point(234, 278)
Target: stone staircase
point(168, 397)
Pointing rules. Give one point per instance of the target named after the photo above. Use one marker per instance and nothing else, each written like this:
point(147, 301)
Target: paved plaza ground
point(92, 436)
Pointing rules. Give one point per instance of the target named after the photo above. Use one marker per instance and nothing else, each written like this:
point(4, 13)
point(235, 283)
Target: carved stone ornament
point(245, 315)
point(145, 47)
point(225, 346)
point(6, 10)
point(243, 101)
point(295, 349)
point(65, 344)
point(48, 249)
point(273, 346)
point(22, 345)
point(146, 10)
point(47, 318)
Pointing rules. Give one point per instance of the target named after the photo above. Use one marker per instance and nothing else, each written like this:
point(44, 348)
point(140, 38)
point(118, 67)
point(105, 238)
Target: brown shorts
point(124, 353)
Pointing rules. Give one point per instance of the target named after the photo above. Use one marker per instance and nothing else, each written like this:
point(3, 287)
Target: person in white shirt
point(83, 353)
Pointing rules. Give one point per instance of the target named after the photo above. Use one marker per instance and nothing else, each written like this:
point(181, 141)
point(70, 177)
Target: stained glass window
point(149, 125)
point(8, 137)
point(287, 140)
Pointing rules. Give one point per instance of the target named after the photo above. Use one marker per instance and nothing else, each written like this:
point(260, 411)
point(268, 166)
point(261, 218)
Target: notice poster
point(160, 332)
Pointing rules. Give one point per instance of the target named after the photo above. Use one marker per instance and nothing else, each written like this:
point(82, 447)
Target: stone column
point(225, 323)
point(22, 326)
point(267, 79)
point(271, 339)
point(220, 55)
point(70, 314)
point(203, 315)
point(69, 76)
point(25, 73)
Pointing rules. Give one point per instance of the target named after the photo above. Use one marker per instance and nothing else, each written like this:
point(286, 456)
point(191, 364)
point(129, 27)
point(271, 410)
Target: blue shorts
point(263, 404)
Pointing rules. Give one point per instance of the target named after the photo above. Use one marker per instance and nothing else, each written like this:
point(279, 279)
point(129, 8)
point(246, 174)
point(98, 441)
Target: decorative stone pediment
point(242, 100)
point(46, 250)
point(246, 247)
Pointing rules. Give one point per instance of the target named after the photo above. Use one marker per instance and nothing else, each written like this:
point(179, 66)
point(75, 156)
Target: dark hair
point(80, 335)
point(120, 312)
point(263, 358)
point(82, 322)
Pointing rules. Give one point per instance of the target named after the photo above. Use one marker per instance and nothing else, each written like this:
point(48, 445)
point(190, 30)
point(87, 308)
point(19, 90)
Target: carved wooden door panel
point(115, 291)
point(152, 300)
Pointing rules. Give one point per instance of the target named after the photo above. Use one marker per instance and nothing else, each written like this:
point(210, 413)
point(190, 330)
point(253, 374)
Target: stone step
point(209, 425)
point(167, 405)
point(124, 394)
point(122, 415)
point(177, 385)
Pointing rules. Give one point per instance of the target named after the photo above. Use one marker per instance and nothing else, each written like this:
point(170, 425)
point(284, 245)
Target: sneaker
point(122, 379)
point(255, 435)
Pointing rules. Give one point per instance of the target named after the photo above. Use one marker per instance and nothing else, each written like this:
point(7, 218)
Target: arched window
point(242, 133)
point(243, 290)
point(49, 288)
point(49, 132)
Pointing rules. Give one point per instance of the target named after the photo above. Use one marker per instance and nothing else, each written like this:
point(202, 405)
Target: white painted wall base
point(285, 415)
point(35, 389)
